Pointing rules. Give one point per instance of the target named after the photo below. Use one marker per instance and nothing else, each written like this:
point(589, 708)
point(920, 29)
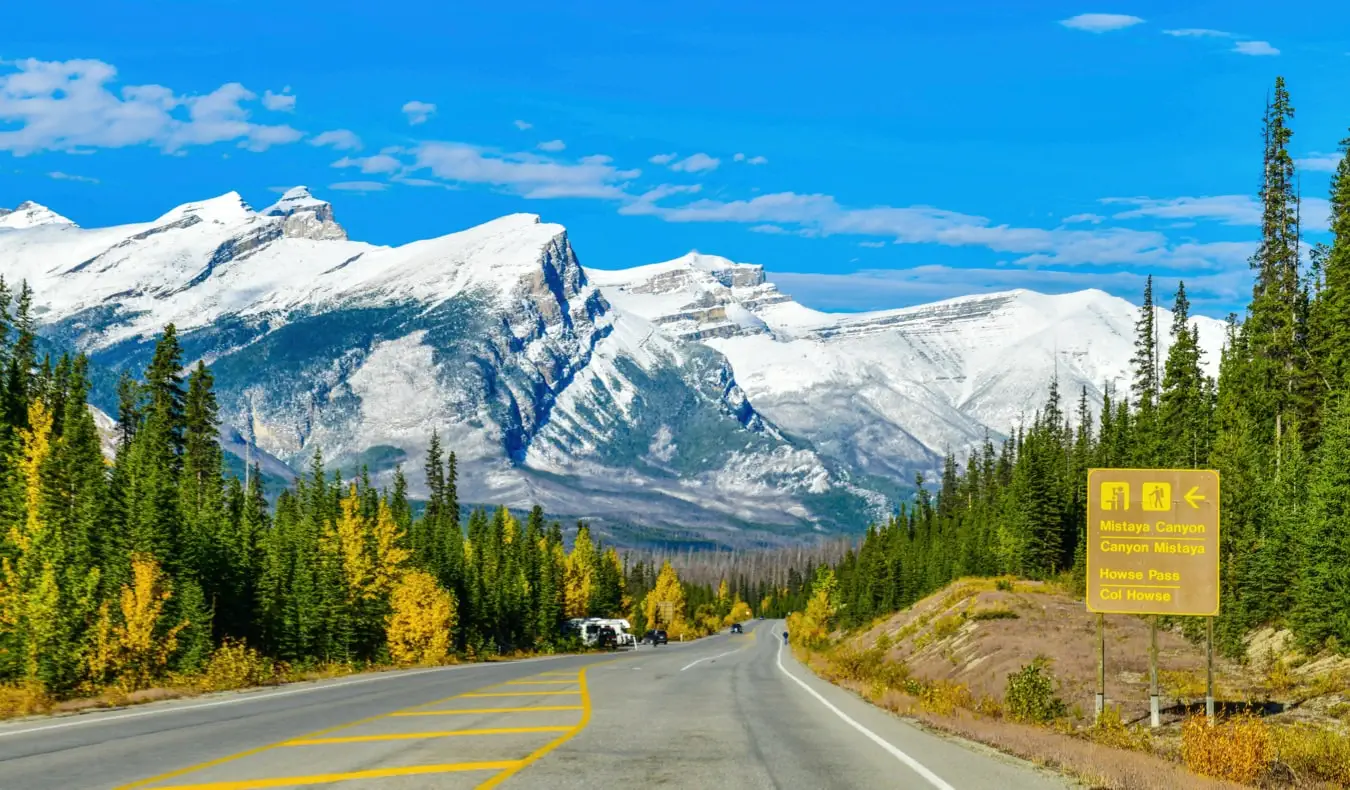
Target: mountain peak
point(307, 217)
point(224, 209)
point(30, 215)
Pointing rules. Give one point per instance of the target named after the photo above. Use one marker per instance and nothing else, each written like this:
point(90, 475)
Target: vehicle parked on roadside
point(654, 637)
point(736, 628)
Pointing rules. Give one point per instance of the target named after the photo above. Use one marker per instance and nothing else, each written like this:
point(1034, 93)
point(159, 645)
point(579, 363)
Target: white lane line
point(933, 779)
point(709, 658)
point(79, 722)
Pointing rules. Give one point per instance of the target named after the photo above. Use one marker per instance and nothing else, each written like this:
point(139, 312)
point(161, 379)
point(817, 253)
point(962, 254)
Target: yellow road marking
point(309, 736)
point(463, 711)
point(376, 773)
point(413, 736)
point(551, 745)
point(518, 693)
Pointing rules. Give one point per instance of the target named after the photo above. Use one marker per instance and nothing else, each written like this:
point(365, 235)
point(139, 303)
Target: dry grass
point(1237, 749)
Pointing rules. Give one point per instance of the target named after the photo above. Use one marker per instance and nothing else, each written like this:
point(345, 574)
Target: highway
point(733, 711)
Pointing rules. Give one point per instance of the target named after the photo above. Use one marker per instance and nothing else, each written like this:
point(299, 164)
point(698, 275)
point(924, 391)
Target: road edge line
point(915, 765)
point(255, 696)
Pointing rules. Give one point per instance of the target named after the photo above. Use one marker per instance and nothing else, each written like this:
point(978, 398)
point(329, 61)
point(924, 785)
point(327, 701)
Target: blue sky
point(870, 155)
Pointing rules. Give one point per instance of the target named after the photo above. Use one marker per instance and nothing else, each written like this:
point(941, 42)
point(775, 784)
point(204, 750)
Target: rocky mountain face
point(495, 336)
point(691, 394)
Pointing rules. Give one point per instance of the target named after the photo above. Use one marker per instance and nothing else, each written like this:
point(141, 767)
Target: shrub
point(946, 626)
point(235, 665)
point(1031, 694)
point(23, 700)
point(944, 697)
point(994, 613)
point(1111, 730)
point(1237, 750)
point(1313, 752)
point(1004, 585)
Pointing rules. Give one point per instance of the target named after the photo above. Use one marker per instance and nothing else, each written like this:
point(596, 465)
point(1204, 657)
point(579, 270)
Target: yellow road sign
point(1153, 541)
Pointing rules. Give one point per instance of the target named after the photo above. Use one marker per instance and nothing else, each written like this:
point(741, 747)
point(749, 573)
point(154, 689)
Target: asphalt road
point(732, 711)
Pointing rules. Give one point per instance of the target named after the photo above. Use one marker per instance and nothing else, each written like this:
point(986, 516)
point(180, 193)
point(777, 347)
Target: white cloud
point(379, 163)
point(1322, 163)
point(59, 176)
point(279, 102)
point(1198, 32)
point(662, 159)
point(1241, 210)
point(338, 139)
point(1100, 23)
point(873, 289)
point(596, 159)
point(875, 245)
point(71, 106)
point(528, 175)
point(1228, 209)
point(523, 125)
point(552, 145)
point(418, 111)
point(757, 160)
point(1255, 48)
point(696, 163)
point(359, 186)
point(739, 157)
point(1095, 219)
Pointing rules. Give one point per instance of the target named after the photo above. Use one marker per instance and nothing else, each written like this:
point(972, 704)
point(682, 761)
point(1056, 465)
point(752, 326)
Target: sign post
point(1153, 549)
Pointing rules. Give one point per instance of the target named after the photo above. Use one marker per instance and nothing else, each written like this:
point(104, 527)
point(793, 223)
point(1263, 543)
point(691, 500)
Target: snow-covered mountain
point(889, 392)
point(686, 394)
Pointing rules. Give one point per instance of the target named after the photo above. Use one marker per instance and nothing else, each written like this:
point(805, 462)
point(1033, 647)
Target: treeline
point(122, 571)
point(1276, 424)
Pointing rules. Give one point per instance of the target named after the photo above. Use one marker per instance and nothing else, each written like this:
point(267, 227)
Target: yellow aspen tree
point(724, 593)
point(346, 539)
point(665, 603)
point(423, 618)
point(30, 593)
point(132, 646)
point(390, 553)
point(740, 612)
point(579, 576)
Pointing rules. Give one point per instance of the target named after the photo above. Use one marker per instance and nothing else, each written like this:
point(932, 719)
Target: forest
point(154, 563)
point(1276, 424)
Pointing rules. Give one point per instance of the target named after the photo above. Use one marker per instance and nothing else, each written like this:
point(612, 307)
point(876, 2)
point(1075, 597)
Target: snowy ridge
point(30, 215)
point(689, 393)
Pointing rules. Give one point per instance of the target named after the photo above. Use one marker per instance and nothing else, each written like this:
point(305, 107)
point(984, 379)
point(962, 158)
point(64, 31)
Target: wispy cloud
point(418, 111)
point(379, 163)
point(1242, 210)
point(662, 159)
point(697, 163)
point(523, 125)
point(753, 160)
point(279, 102)
point(59, 176)
point(1323, 163)
point(71, 106)
point(1255, 48)
point(1244, 46)
point(552, 145)
point(1198, 32)
point(876, 245)
point(359, 186)
point(1095, 219)
point(877, 289)
point(528, 175)
point(1101, 23)
point(337, 139)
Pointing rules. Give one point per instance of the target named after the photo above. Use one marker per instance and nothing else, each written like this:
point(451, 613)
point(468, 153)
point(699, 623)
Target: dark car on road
point(736, 628)
point(655, 637)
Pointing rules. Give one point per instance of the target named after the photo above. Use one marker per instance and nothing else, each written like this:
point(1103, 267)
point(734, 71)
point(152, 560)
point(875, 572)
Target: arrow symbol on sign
point(1192, 497)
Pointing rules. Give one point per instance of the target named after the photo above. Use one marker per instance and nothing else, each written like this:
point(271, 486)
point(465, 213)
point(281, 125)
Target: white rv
point(589, 629)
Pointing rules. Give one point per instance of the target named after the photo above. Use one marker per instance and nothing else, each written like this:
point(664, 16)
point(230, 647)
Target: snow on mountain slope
point(889, 392)
point(494, 336)
point(30, 215)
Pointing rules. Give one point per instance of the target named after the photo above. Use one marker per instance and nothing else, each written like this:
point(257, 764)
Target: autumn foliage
point(422, 620)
